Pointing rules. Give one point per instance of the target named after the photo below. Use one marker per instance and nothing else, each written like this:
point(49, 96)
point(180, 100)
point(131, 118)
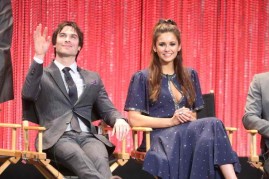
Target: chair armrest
point(10, 125)
point(121, 155)
point(230, 131)
point(26, 129)
point(253, 131)
point(144, 129)
point(147, 131)
point(35, 128)
point(14, 128)
point(253, 142)
point(254, 159)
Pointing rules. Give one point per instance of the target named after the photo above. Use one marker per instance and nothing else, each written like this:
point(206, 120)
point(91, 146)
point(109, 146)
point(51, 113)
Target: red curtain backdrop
point(226, 41)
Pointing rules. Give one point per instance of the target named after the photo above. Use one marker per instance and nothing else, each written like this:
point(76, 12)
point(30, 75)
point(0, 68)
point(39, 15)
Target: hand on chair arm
point(121, 128)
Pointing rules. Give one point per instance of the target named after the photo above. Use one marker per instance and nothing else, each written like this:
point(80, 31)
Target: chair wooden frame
point(40, 161)
point(10, 156)
point(38, 158)
point(137, 132)
point(122, 157)
point(230, 131)
point(253, 158)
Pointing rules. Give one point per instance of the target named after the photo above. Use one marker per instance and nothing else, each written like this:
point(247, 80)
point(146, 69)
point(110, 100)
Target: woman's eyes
point(164, 44)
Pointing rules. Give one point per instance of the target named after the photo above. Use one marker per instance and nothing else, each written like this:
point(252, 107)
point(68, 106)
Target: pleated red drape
point(225, 41)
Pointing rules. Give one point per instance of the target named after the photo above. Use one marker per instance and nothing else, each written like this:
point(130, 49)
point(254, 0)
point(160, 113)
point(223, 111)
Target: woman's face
point(167, 47)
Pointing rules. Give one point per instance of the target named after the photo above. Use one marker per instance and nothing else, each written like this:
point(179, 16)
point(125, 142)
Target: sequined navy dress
point(192, 150)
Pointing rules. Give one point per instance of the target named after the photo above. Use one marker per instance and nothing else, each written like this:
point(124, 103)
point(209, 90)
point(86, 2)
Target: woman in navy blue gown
point(166, 96)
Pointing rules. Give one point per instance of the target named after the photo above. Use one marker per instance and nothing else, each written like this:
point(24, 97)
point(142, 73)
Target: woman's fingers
point(184, 116)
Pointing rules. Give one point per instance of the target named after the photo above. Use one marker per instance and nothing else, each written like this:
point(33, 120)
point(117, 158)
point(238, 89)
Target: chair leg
point(257, 165)
point(7, 163)
point(43, 171)
point(119, 162)
point(114, 166)
point(4, 166)
point(55, 172)
point(48, 171)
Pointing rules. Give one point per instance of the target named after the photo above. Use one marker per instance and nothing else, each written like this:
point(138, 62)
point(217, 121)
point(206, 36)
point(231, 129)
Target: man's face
point(67, 42)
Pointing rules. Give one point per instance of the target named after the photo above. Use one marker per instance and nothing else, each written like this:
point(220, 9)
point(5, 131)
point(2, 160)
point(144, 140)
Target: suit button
point(32, 72)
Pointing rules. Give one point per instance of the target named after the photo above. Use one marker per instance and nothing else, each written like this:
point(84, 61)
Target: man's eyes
point(72, 36)
point(62, 35)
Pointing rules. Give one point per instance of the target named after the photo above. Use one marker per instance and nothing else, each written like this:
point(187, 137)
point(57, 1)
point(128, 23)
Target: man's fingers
point(121, 128)
point(122, 132)
point(118, 133)
point(49, 39)
point(38, 29)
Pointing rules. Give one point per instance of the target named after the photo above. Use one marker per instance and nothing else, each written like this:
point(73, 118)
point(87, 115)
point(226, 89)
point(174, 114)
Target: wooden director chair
point(254, 158)
point(10, 156)
point(118, 159)
point(139, 152)
point(52, 169)
point(209, 110)
point(38, 158)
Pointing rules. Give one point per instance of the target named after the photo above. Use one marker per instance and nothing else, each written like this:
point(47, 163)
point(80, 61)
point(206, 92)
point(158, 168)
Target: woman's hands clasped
point(183, 115)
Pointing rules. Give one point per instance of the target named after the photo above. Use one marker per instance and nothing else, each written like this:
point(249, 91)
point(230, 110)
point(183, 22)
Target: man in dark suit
point(64, 99)
point(256, 114)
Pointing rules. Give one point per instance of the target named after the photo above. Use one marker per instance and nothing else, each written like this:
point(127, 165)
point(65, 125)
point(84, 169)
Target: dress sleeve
point(137, 97)
point(199, 102)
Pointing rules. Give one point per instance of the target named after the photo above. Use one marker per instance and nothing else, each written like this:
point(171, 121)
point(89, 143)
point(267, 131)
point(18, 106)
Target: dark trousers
point(266, 169)
point(82, 153)
point(266, 163)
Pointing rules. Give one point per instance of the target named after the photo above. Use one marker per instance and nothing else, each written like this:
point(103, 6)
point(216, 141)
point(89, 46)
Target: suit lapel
point(57, 77)
point(85, 80)
point(88, 80)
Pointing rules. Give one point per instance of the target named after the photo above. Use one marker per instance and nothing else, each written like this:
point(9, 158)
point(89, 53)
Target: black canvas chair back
point(209, 106)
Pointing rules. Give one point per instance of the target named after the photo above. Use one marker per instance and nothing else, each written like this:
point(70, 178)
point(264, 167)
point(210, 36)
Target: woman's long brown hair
point(155, 70)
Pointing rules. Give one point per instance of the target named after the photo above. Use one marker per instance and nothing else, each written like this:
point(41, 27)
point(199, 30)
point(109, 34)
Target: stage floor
point(132, 170)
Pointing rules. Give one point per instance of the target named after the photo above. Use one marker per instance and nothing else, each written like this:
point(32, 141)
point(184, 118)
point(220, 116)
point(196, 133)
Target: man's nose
point(67, 39)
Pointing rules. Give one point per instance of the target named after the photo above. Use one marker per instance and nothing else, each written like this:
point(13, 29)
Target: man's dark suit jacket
point(46, 101)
